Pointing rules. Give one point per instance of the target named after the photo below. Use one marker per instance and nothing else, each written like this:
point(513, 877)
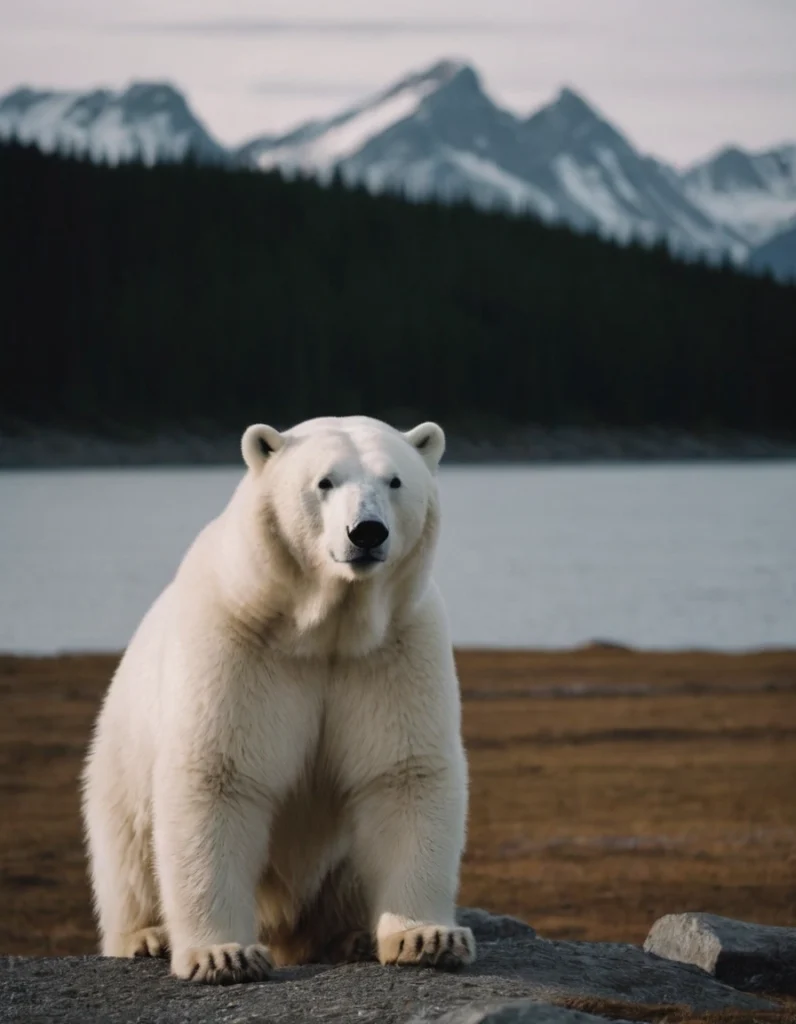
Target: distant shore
point(46, 448)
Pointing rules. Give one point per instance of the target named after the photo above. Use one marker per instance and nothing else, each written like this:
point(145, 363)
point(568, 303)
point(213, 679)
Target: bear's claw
point(145, 942)
point(227, 964)
point(429, 946)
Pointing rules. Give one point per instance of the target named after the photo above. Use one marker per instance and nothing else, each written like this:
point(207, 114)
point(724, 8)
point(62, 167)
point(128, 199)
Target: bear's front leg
point(409, 841)
point(210, 847)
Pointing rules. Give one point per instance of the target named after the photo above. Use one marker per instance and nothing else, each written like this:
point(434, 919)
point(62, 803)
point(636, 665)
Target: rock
point(753, 957)
point(488, 927)
point(521, 1011)
point(518, 970)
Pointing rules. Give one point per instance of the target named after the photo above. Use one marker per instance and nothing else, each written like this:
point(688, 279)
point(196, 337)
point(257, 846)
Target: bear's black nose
point(368, 533)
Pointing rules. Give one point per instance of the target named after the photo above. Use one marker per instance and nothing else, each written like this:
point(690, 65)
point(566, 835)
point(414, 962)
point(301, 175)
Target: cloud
point(311, 87)
point(341, 26)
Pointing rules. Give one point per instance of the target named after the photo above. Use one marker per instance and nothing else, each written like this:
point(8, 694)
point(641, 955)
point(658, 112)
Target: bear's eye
point(395, 482)
point(325, 484)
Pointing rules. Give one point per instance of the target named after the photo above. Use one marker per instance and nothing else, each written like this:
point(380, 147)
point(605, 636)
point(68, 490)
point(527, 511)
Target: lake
point(654, 556)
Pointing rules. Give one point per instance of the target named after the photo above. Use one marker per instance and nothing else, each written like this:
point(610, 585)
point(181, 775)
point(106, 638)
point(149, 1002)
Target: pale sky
point(679, 77)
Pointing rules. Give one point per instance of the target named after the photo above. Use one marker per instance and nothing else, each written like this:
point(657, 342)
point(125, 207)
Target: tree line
point(139, 297)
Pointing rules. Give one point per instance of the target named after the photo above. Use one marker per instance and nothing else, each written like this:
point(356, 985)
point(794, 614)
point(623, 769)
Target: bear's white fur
point(277, 773)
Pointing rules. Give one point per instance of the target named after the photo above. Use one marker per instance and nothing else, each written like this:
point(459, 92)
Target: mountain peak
point(162, 92)
point(754, 193)
point(23, 96)
point(445, 70)
point(146, 98)
point(447, 73)
point(150, 120)
point(572, 107)
point(569, 120)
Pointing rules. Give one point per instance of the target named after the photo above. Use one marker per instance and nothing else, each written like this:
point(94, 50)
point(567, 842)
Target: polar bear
point(277, 773)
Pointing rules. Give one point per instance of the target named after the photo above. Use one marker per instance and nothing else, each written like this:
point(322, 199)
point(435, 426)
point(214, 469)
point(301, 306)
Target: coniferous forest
point(181, 294)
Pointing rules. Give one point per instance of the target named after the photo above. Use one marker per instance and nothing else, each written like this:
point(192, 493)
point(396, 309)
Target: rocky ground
point(517, 978)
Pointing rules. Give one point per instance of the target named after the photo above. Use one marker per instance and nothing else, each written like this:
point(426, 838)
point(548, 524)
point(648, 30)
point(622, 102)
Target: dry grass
point(669, 784)
point(608, 788)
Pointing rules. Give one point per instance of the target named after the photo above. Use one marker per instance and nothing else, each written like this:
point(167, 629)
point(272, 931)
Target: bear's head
point(349, 498)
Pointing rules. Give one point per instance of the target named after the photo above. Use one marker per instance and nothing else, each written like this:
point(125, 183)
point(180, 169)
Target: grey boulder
point(520, 1011)
point(753, 957)
point(488, 927)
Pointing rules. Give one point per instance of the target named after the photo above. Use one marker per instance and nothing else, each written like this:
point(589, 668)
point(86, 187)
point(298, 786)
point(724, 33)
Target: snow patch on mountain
point(586, 186)
point(323, 151)
point(509, 191)
point(620, 183)
point(320, 146)
point(151, 122)
point(752, 193)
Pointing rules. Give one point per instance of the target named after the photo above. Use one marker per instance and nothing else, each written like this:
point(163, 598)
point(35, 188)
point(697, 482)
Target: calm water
point(659, 556)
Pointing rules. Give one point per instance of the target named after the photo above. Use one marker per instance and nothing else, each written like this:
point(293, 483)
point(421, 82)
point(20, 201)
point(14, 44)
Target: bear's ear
point(258, 442)
point(429, 439)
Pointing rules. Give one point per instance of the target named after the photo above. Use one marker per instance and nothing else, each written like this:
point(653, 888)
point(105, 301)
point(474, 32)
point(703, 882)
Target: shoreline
point(28, 447)
point(594, 652)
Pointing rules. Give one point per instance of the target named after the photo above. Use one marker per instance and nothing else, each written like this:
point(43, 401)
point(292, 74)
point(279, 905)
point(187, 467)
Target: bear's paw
point(152, 941)
point(429, 945)
point(227, 964)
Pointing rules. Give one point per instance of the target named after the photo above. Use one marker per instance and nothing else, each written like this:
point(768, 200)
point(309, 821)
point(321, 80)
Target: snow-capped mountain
point(433, 134)
point(148, 121)
point(600, 181)
point(754, 194)
point(437, 134)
